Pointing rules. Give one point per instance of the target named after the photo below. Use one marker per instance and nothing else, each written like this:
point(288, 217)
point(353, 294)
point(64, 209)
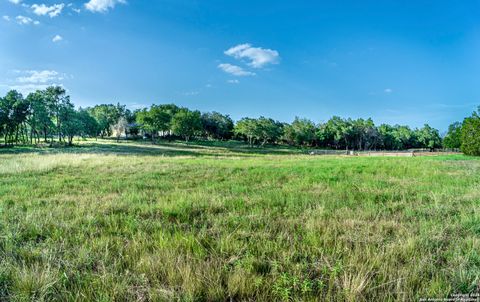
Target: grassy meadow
point(108, 221)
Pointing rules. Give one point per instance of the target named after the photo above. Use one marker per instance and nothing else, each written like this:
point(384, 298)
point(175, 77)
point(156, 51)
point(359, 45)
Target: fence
point(402, 153)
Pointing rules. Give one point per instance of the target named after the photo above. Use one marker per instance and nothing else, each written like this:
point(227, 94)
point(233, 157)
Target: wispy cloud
point(26, 81)
point(15, 1)
point(102, 6)
point(258, 57)
point(235, 70)
point(28, 88)
point(472, 105)
point(191, 93)
point(72, 7)
point(233, 81)
point(22, 20)
point(42, 76)
point(52, 11)
point(6, 18)
point(381, 92)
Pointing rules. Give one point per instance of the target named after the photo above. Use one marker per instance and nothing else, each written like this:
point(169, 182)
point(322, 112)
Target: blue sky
point(406, 62)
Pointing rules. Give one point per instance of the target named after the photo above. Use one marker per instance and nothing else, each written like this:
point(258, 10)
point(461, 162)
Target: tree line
point(49, 116)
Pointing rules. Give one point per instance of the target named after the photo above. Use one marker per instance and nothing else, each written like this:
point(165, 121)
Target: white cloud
point(235, 70)
point(233, 81)
point(15, 1)
point(26, 20)
point(36, 77)
point(57, 38)
point(73, 8)
point(27, 81)
point(388, 90)
point(6, 18)
point(52, 11)
point(102, 6)
point(258, 57)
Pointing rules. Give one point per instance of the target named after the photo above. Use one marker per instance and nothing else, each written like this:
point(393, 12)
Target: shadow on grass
point(105, 148)
point(160, 148)
point(238, 147)
point(225, 145)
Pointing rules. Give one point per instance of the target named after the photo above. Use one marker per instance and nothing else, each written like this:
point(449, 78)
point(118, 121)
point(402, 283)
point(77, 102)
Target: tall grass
point(122, 222)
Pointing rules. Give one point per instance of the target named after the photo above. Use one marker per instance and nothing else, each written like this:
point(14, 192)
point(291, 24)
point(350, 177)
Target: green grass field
point(215, 222)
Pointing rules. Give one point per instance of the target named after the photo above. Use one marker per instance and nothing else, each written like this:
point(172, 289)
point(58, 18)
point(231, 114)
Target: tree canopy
point(48, 115)
point(453, 139)
point(186, 123)
point(471, 134)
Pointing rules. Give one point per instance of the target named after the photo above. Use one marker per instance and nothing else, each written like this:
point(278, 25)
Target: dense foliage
point(50, 116)
point(453, 139)
point(337, 133)
point(46, 114)
point(186, 123)
point(471, 134)
point(108, 115)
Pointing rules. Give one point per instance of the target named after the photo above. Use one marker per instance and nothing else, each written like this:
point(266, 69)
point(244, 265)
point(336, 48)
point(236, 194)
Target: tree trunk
point(58, 127)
